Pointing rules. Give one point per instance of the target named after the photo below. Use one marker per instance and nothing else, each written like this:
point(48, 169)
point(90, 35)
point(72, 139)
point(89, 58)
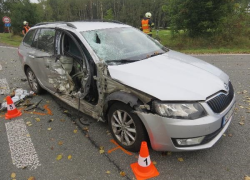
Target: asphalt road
point(65, 135)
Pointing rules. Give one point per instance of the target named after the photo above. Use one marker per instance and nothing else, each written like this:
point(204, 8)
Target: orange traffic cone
point(12, 111)
point(144, 168)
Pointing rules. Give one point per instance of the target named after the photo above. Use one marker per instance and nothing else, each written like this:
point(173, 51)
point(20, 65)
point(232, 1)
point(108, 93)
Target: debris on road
point(31, 178)
point(13, 175)
point(51, 120)
point(84, 121)
point(85, 129)
point(241, 123)
point(180, 159)
point(19, 96)
point(101, 150)
point(59, 157)
point(60, 143)
point(35, 106)
point(28, 123)
point(37, 119)
point(23, 79)
point(122, 173)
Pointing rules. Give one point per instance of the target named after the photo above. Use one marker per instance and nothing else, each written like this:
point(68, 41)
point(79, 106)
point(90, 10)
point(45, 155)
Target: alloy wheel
point(123, 127)
point(32, 80)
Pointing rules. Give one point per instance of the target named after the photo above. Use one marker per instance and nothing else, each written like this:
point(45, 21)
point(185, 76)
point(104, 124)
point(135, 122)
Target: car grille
point(221, 101)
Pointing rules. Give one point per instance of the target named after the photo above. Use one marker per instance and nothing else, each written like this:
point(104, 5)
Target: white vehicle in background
point(115, 73)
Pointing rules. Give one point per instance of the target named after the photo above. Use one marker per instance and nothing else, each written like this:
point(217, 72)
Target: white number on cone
point(10, 107)
point(144, 161)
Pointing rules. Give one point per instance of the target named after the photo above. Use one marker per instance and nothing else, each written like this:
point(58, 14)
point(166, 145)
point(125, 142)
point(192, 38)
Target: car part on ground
point(35, 105)
point(20, 95)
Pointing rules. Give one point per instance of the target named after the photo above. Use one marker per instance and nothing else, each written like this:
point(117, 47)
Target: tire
point(128, 132)
point(33, 82)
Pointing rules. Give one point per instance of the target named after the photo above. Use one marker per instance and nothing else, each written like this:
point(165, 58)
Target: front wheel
point(126, 127)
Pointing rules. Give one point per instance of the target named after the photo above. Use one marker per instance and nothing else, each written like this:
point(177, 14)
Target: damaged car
point(119, 75)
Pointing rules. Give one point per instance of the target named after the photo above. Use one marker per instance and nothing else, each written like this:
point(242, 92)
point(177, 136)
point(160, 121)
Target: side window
point(44, 40)
point(29, 37)
point(70, 47)
point(35, 40)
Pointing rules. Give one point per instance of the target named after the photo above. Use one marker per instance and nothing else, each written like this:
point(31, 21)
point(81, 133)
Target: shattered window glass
point(122, 43)
point(45, 40)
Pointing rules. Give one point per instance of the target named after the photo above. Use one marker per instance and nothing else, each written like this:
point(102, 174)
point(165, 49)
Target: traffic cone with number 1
point(12, 111)
point(144, 168)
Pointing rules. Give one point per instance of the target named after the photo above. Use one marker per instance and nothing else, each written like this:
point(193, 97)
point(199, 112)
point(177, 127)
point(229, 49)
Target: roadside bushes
point(224, 19)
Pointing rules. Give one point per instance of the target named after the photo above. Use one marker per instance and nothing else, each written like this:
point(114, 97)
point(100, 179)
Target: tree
point(195, 17)
point(109, 15)
point(201, 17)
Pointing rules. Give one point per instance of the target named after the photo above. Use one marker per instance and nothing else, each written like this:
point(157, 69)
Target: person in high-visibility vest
point(25, 27)
point(147, 24)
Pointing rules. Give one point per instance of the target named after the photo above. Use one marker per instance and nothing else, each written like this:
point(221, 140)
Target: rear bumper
point(162, 130)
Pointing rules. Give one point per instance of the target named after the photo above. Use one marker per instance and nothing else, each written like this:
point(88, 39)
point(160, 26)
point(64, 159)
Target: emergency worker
point(147, 24)
point(25, 27)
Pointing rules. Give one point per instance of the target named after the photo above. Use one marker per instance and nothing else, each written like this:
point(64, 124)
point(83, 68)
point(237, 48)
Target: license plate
point(228, 116)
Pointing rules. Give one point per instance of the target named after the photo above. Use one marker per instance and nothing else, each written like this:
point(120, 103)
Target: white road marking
point(219, 54)
point(22, 150)
point(8, 47)
point(4, 87)
point(0, 67)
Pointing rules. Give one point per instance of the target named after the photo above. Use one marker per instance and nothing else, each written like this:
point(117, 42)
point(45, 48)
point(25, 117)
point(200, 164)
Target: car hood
point(172, 76)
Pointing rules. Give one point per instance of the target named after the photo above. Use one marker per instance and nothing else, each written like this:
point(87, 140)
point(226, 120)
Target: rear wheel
point(126, 127)
point(33, 82)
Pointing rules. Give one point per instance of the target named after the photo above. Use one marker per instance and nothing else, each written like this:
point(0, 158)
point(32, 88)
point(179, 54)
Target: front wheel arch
point(122, 97)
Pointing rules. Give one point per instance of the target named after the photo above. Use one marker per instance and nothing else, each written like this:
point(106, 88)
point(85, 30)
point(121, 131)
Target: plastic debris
point(20, 94)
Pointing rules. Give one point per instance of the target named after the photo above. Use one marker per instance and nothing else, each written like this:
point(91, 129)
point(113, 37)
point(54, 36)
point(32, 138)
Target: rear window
point(29, 37)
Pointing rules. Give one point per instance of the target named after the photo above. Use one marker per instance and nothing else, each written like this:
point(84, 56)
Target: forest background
point(221, 25)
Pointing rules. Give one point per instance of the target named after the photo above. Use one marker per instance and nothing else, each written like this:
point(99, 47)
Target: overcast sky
point(34, 1)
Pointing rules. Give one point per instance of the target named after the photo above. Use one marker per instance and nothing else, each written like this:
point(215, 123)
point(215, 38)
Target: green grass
point(180, 43)
point(202, 45)
point(9, 39)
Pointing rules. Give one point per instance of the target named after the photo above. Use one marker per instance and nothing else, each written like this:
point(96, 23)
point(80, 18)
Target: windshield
point(122, 44)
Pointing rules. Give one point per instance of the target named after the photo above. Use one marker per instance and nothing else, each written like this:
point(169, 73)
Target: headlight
point(180, 110)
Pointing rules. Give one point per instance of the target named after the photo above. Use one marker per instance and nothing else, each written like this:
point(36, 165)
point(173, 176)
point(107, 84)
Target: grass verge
point(241, 45)
point(10, 40)
point(210, 45)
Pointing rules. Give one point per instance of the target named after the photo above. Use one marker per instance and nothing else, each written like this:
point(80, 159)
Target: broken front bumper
point(163, 131)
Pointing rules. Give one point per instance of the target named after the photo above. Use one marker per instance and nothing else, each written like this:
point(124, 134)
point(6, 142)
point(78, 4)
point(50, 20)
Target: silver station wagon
point(117, 74)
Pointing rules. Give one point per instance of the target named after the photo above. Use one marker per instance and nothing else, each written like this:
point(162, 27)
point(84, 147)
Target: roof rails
point(73, 26)
point(100, 20)
point(57, 22)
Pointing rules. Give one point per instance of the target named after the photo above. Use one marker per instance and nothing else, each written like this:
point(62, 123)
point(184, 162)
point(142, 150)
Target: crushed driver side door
point(69, 71)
